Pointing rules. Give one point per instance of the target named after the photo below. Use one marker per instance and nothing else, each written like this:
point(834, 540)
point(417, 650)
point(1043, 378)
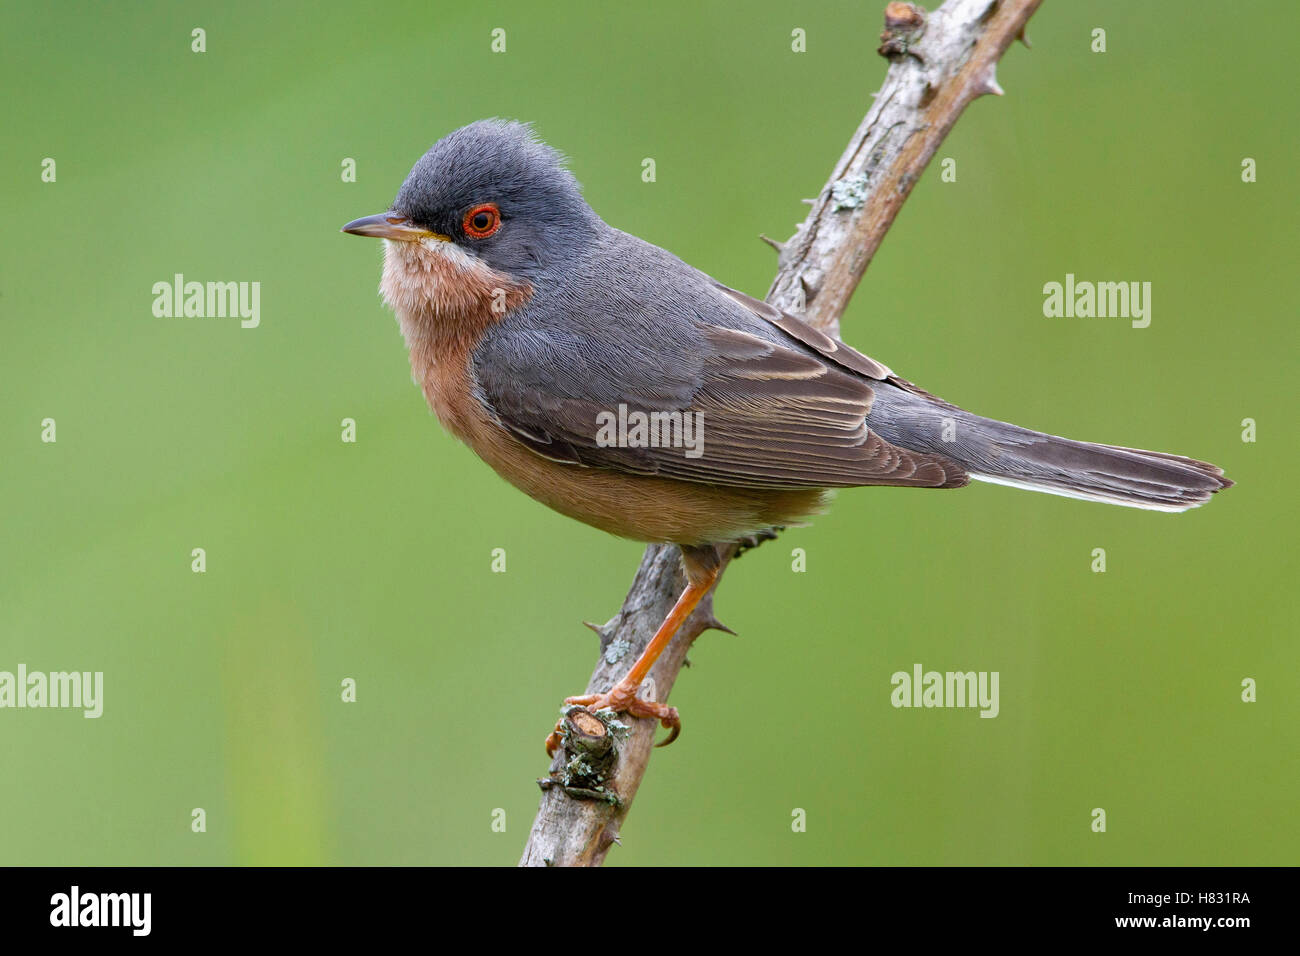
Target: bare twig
point(940, 62)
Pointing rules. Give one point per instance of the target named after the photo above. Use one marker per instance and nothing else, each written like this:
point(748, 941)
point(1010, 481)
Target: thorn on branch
point(809, 293)
point(990, 84)
point(609, 836)
point(603, 630)
point(612, 647)
point(778, 246)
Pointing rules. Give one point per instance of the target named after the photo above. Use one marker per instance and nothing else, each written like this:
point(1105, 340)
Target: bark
point(939, 63)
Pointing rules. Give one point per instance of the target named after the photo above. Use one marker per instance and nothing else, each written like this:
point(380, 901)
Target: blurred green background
point(371, 560)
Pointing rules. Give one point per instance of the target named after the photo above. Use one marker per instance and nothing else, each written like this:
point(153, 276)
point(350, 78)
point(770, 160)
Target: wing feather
point(775, 411)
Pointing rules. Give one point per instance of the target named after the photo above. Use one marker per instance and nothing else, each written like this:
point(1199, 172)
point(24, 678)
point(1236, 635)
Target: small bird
point(613, 382)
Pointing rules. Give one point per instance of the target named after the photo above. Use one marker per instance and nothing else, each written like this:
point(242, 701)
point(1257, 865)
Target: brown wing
point(768, 412)
point(796, 328)
point(832, 349)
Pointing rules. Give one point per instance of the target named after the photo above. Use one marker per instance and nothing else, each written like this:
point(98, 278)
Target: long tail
point(1007, 454)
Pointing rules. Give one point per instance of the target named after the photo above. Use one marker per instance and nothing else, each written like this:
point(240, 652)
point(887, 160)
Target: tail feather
point(1006, 454)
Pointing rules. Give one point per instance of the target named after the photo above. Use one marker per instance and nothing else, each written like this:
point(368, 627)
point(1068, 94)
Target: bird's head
point(489, 200)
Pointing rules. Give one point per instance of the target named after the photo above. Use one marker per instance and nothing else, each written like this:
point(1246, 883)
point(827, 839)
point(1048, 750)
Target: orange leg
point(701, 573)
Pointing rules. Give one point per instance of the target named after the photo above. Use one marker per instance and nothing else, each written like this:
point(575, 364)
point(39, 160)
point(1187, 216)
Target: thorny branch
point(940, 62)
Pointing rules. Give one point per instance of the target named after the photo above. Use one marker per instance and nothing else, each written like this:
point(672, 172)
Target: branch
point(940, 62)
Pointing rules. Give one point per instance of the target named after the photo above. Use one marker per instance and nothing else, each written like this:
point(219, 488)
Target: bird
point(613, 382)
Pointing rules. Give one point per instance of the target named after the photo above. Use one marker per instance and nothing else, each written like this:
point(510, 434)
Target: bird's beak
point(391, 225)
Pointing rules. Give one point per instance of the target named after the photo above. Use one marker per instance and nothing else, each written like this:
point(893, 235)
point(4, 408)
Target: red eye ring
point(482, 220)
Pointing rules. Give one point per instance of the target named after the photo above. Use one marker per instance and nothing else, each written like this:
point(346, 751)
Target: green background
point(371, 560)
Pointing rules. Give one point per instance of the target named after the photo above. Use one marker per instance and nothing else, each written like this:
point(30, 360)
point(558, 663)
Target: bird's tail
point(1007, 454)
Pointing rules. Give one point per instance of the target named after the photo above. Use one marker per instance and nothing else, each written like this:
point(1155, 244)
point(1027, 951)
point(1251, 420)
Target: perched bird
point(533, 326)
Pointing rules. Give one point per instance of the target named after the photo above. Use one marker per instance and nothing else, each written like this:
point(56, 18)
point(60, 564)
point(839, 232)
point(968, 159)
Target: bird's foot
point(621, 700)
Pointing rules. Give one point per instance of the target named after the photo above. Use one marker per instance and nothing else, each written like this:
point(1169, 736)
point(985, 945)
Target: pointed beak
point(391, 225)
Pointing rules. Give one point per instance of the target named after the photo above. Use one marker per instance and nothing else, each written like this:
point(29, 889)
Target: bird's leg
point(702, 565)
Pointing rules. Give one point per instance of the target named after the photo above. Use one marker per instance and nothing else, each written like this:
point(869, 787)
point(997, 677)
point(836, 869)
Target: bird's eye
point(481, 221)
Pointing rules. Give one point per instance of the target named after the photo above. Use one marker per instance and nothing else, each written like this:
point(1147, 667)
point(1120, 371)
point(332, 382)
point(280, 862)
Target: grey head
point(496, 191)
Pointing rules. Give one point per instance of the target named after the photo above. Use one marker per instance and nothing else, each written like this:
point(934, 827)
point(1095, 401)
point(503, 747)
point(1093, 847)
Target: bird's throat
point(440, 291)
point(445, 299)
